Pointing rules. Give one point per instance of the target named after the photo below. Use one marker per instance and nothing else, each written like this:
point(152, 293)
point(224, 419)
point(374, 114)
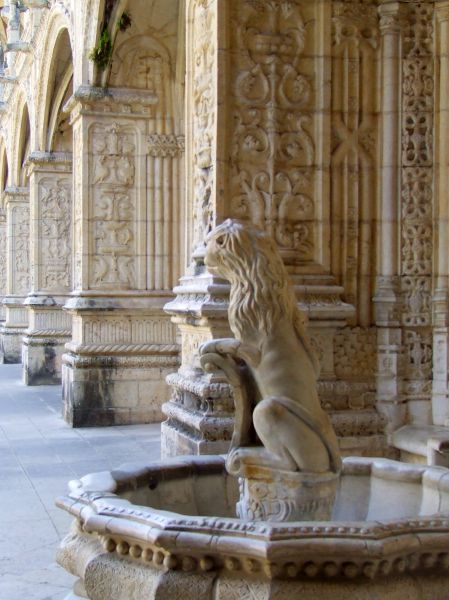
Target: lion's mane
point(261, 291)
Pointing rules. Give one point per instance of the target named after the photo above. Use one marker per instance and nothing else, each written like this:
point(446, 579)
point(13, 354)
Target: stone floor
point(39, 454)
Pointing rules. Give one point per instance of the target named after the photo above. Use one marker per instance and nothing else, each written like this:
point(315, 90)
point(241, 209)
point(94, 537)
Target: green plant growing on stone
point(124, 22)
point(101, 54)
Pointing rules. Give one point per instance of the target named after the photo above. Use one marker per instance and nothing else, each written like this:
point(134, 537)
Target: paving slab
point(39, 454)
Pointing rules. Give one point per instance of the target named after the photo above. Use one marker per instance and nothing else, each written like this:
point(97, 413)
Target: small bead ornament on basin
point(281, 517)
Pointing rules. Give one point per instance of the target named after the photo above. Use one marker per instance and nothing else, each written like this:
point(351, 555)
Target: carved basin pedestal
point(267, 494)
point(168, 531)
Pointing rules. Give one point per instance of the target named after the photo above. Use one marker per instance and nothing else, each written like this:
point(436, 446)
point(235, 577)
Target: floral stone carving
point(283, 447)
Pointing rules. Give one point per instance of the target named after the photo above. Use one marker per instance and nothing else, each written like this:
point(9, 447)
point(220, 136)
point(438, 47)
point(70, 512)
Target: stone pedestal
point(51, 267)
point(200, 411)
point(16, 315)
point(273, 495)
point(126, 210)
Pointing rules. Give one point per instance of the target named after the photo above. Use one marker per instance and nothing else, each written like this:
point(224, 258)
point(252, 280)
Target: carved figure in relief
point(276, 392)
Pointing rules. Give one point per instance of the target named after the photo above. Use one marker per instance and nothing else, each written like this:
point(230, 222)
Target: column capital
point(391, 16)
point(129, 102)
point(49, 162)
point(442, 10)
point(16, 194)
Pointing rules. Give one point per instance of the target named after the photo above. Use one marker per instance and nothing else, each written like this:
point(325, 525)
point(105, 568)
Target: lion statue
point(270, 364)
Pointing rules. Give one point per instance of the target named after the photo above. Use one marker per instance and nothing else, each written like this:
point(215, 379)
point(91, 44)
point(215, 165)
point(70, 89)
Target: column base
point(101, 391)
point(12, 330)
point(11, 344)
point(42, 359)
point(50, 328)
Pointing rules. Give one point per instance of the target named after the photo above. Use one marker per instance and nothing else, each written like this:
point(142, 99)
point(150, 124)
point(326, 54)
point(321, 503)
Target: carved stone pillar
point(440, 398)
point(18, 278)
point(3, 262)
point(257, 149)
point(51, 267)
point(417, 213)
point(123, 344)
point(387, 296)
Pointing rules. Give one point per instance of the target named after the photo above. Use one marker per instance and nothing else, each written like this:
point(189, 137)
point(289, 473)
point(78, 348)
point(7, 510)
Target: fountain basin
point(168, 530)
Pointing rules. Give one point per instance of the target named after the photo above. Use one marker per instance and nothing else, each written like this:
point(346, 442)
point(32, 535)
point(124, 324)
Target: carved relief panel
point(354, 146)
point(417, 200)
point(276, 101)
point(55, 209)
point(20, 249)
point(201, 97)
point(113, 210)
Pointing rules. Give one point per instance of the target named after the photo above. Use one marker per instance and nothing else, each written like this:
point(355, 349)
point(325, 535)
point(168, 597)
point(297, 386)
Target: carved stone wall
point(276, 96)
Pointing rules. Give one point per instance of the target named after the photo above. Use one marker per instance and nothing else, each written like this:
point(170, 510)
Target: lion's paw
point(220, 346)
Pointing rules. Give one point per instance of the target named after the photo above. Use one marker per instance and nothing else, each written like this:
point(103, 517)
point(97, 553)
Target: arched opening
point(58, 133)
point(24, 147)
point(148, 58)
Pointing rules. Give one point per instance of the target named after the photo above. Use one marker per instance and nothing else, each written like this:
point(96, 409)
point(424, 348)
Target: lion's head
point(261, 293)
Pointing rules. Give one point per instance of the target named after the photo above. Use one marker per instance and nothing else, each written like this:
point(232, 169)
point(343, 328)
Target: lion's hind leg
point(288, 437)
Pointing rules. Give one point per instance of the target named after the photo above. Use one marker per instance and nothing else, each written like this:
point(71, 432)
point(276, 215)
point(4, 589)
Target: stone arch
point(56, 77)
point(90, 24)
point(142, 62)
point(21, 144)
point(60, 89)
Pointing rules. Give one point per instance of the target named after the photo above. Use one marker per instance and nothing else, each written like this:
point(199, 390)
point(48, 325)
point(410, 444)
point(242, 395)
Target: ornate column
point(51, 267)
point(387, 295)
point(18, 279)
point(417, 202)
point(123, 345)
point(3, 262)
point(257, 149)
point(440, 301)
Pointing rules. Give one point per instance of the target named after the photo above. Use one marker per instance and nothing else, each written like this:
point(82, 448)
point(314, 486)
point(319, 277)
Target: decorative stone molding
point(166, 145)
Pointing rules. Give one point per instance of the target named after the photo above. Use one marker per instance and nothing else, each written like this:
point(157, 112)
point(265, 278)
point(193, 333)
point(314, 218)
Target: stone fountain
point(282, 517)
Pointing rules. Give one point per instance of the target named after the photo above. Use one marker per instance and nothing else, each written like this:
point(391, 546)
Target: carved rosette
point(417, 199)
point(113, 207)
